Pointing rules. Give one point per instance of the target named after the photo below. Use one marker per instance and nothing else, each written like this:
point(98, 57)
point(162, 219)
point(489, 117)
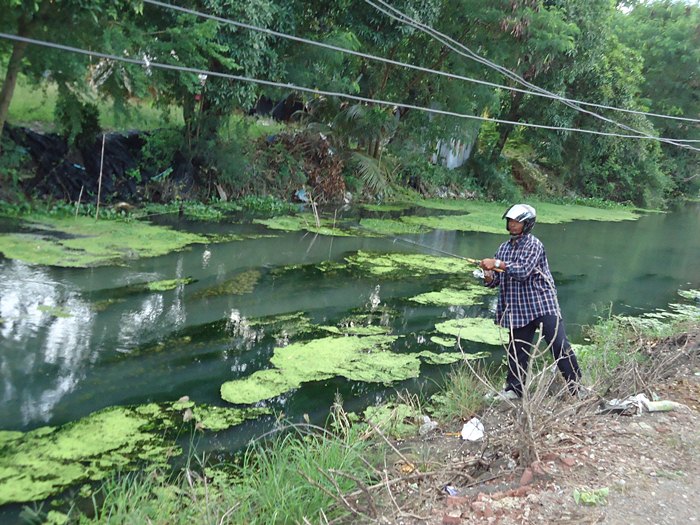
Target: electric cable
point(541, 93)
point(447, 41)
point(145, 62)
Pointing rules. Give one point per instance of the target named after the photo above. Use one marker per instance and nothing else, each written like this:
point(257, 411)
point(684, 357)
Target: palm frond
point(376, 174)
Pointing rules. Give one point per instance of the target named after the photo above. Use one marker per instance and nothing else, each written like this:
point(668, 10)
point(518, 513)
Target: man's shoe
point(583, 393)
point(503, 395)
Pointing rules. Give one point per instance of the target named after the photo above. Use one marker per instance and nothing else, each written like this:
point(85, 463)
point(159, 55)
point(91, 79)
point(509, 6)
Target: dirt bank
point(589, 467)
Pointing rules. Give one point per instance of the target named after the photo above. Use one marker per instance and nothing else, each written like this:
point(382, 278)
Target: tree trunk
point(25, 27)
point(8, 86)
point(504, 130)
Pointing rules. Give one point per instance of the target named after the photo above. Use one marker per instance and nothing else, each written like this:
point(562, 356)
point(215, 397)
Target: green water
point(74, 341)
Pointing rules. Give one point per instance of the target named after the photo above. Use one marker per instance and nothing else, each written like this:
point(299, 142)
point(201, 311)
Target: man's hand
point(488, 264)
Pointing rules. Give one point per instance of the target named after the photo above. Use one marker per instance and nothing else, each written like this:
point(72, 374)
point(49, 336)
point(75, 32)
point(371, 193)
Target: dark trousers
point(520, 346)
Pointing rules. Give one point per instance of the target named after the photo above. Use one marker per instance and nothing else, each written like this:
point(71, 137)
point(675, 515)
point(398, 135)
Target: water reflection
point(34, 310)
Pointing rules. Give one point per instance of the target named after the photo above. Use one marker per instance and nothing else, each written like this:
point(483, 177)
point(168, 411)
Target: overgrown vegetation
point(327, 145)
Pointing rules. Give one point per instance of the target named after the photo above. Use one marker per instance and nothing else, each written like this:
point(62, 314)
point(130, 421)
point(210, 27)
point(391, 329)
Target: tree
point(667, 35)
point(172, 37)
point(47, 20)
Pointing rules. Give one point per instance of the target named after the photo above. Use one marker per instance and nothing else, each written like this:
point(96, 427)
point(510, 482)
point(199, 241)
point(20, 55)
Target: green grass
point(32, 105)
point(462, 394)
point(286, 480)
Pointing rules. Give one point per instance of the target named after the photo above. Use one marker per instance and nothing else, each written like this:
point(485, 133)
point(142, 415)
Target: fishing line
point(426, 247)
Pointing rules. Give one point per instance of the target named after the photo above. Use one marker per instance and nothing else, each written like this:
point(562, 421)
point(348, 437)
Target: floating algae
point(491, 212)
point(355, 358)
point(167, 284)
point(467, 223)
point(391, 227)
point(43, 462)
point(451, 297)
point(447, 358)
point(241, 284)
point(104, 298)
point(281, 327)
point(375, 322)
point(352, 329)
point(83, 242)
point(386, 207)
point(476, 329)
point(487, 216)
point(304, 222)
point(407, 264)
point(55, 311)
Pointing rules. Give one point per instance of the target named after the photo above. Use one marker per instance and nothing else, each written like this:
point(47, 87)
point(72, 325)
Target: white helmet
point(522, 213)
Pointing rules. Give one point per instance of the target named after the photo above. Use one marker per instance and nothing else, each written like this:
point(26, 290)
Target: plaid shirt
point(527, 288)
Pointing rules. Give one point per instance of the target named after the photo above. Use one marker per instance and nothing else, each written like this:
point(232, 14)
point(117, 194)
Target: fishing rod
point(444, 252)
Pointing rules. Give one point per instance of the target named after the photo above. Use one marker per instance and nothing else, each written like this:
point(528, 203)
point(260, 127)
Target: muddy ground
point(624, 469)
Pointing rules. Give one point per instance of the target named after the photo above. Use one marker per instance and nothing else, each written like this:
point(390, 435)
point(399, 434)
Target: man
point(527, 301)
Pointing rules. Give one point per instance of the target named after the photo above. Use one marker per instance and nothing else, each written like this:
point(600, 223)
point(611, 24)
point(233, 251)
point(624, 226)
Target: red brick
point(537, 468)
point(451, 520)
point(521, 492)
point(455, 501)
point(527, 477)
point(568, 461)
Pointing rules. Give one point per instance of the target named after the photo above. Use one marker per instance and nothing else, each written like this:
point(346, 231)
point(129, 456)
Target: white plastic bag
point(473, 430)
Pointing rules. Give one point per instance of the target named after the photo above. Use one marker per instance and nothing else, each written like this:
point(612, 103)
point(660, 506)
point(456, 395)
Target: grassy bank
point(359, 469)
point(34, 106)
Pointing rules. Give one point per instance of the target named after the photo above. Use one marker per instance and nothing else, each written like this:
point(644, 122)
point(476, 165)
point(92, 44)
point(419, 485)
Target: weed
point(266, 204)
point(462, 394)
point(591, 497)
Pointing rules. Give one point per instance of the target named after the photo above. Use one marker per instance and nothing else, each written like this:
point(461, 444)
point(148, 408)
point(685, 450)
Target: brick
point(568, 461)
point(456, 501)
point(527, 477)
point(537, 468)
point(522, 491)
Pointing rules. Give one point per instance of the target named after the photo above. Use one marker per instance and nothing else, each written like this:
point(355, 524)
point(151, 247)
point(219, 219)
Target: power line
point(540, 93)
point(158, 65)
point(446, 40)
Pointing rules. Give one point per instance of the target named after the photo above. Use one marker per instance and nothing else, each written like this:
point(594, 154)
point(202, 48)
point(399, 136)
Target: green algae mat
point(475, 329)
point(367, 358)
point(83, 242)
point(407, 264)
point(470, 295)
point(356, 358)
point(307, 222)
point(43, 462)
